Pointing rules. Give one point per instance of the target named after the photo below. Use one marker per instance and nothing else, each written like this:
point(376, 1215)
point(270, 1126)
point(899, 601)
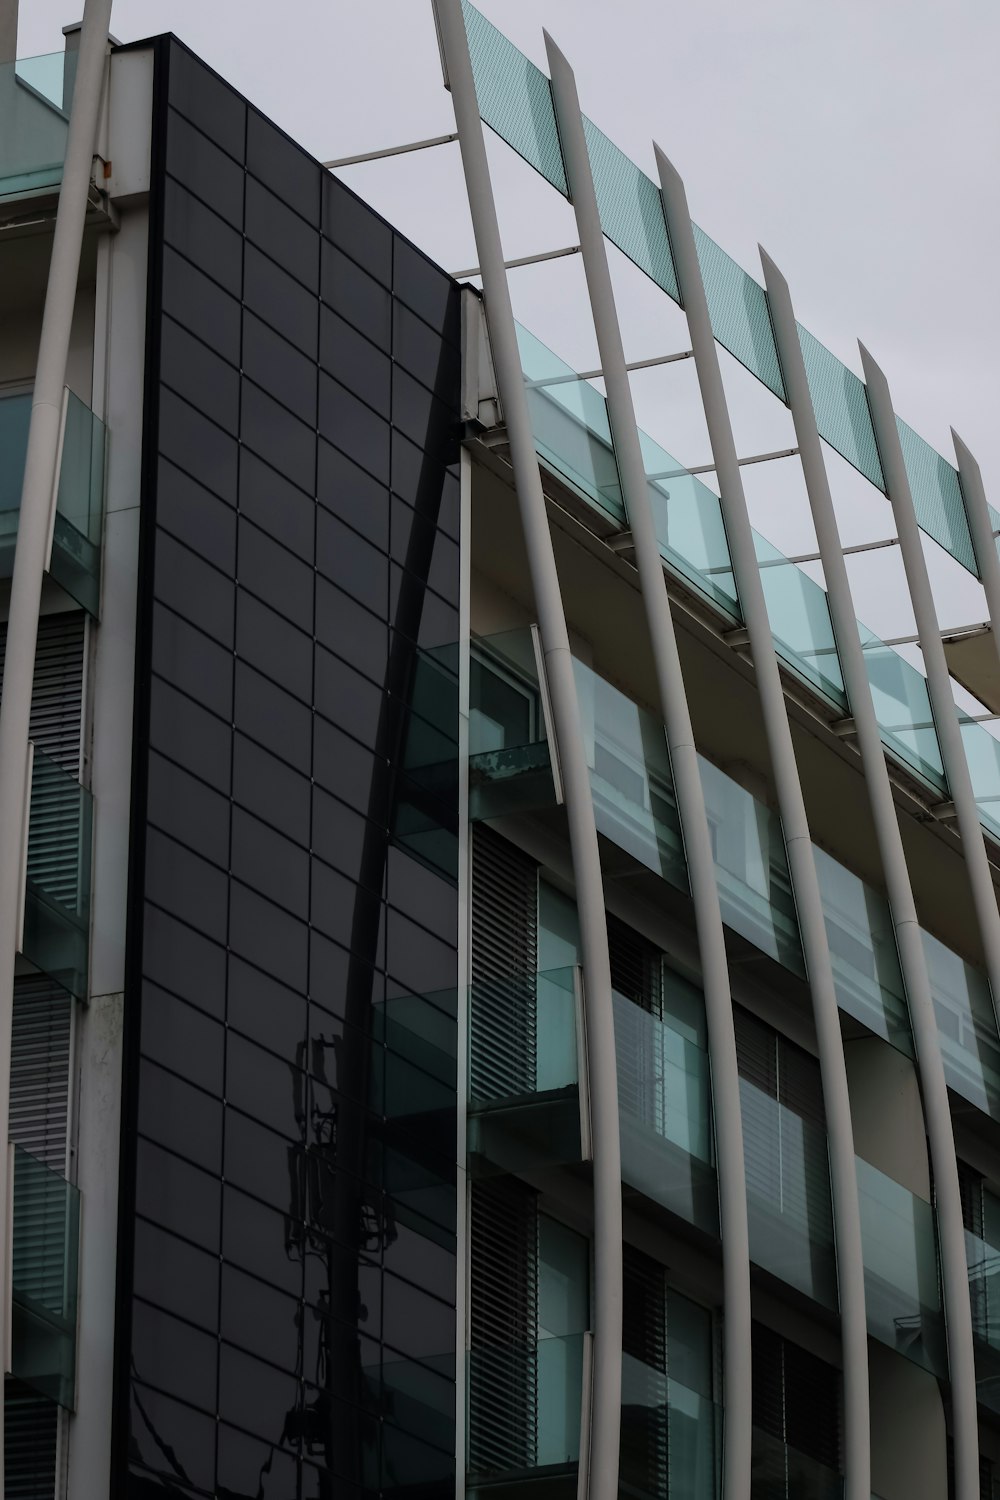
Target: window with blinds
point(30, 1444)
point(796, 1397)
point(504, 964)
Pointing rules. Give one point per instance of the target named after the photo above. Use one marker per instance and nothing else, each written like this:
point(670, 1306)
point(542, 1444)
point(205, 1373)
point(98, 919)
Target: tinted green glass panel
point(671, 1436)
point(76, 548)
point(551, 1436)
point(937, 496)
point(902, 708)
point(57, 889)
point(788, 1195)
point(863, 952)
point(45, 1277)
point(687, 518)
point(737, 306)
point(515, 98)
point(630, 209)
point(967, 1027)
point(781, 1471)
point(901, 1273)
point(509, 765)
point(841, 405)
point(799, 615)
point(983, 754)
point(34, 104)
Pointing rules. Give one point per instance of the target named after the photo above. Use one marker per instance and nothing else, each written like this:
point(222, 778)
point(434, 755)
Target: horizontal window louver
point(636, 967)
point(645, 1420)
point(30, 1429)
point(796, 1398)
point(503, 1318)
point(55, 728)
point(40, 1070)
point(504, 964)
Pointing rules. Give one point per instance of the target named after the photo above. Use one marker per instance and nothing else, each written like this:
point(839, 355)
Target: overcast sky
point(858, 142)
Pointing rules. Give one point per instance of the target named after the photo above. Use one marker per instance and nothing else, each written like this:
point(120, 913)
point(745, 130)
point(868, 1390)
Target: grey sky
point(858, 142)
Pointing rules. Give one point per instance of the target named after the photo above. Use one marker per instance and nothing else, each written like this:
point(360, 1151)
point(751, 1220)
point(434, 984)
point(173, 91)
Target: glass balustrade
point(671, 1437)
point(573, 438)
point(665, 1115)
point(76, 541)
point(524, 1412)
point(902, 1294)
point(635, 809)
point(35, 95)
point(780, 1472)
point(788, 1195)
point(57, 889)
point(45, 1276)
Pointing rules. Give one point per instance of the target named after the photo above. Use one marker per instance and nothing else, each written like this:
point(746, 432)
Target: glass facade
point(288, 1234)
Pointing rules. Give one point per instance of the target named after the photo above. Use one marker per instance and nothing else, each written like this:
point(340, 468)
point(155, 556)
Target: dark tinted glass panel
point(422, 895)
point(419, 545)
point(248, 1466)
point(339, 835)
point(350, 770)
point(352, 226)
point(261, 1240)
point(202, 306)
point(279, 508)
point(190, 366)
point(197, 445)
point(346, 912)
point(353, 495)
point(275, 576)
point(190, 586)
point(351, 563)
point(259, 1397)
point(280, 368)
point(184, 961)
point(186, 885)
point(350, 630)
point(194, 516)
point(355, 360)
point(206, 240)
point(283, 166)
point(189, 734)
point(268, 937)
point(418, 479)
point(271, 789)
point(343, 983)
point(176, 1276)
point(183, 1358)
point(354, 428)
point(269, 1088)
point(186, 656)
point(347, 698)
point(264, 1164)
point(427, 963)
point(180, 1117)
point(271, 716)
point(208, 172)
point(418, 613)
point(420, 350)
point(182, 1037)
point(271, 863)
point(189, 809)
point(177, 1195)
point(418, 413)
point(356, 296)
point(273, 646)
point(281, 300)
point(285, 236)
point(266, 1011)
point(211, 104)
point(279, 438)
point(170, 1437)
point(425, 289)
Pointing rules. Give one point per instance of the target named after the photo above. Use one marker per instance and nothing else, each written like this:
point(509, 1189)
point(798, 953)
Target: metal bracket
point(738, 637)
point(620, 541)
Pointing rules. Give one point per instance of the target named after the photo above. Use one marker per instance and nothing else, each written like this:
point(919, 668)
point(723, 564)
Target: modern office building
point(505, 963)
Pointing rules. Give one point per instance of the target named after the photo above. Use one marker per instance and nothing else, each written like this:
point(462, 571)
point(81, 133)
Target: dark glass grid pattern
point(291, 1202)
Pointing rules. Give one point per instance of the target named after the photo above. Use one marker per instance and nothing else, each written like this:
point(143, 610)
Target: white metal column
point(34, 524)
point(687, 786)
point(913, 963)
point(606, 1400)
point(795, 828)
point(981, 529)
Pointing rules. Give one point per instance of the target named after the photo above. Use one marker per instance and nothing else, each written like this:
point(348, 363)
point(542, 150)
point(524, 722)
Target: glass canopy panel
point(737, 306)
point(664, 1106)
point(799, 615)
point(863, 952)
point(630, 776)
point(57, 888)
point(34, 106)
point(901, 1273)
point(751, 868)
point(937, 497)
point(515, 97)
point(671, 1437)
point(630, 209)
point(788, 1195)
point(840, 402)
point(967, 1027)
point(45, 1278)
point(509, 765)
point(569, 420)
